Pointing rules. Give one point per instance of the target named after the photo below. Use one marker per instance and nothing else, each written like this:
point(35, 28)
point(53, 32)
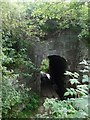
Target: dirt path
point(47, 89)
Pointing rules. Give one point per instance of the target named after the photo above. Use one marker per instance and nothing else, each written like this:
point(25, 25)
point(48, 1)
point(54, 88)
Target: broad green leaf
point(76, 75)
point(66, 94)
point(83, 86)
point(74, 81)
point(85, 78)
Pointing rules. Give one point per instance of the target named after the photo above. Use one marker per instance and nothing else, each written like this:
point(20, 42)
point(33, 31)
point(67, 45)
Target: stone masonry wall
point(65, 45)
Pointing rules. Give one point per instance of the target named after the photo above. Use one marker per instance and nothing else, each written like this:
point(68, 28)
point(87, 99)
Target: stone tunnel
point(64, 52)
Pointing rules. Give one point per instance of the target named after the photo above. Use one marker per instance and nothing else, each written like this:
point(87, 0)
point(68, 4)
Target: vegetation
point(20, 22)
point(70, 108)
point(75, 105)
point(48, 19)
point(16, 65)
point(45, 65)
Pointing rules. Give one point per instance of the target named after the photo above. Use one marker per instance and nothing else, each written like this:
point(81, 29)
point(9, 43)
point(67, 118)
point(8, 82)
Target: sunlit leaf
point(85, 78)
point(74, 81)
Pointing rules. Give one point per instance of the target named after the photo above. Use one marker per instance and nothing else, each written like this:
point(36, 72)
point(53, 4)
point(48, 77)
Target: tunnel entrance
point(53, 81)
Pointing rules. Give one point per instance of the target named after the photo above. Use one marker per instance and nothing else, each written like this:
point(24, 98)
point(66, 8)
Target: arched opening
point(57, 68)
point(54, 85)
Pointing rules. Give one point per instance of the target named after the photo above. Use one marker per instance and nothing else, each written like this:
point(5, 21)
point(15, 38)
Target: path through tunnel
point(55, 85)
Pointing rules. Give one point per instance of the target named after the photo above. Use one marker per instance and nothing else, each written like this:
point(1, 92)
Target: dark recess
point(57, 67)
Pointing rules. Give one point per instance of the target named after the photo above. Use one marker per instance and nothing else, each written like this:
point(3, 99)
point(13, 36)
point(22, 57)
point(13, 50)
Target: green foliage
point(15, 61)
point(74, 81)
point(33, 102)
point(70, 108)
point(14, 94)
point(85, 78)
point(14, 41)
point(81, 88)
point(73, 75)
point(30, 107)
point(19, 23)
point(44, 65)
point(48, 18)
point(10, 96)
point(16, 97)
point(70, 91)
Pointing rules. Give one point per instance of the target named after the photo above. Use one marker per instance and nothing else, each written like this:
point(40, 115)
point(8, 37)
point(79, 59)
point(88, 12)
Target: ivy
point(50, 17)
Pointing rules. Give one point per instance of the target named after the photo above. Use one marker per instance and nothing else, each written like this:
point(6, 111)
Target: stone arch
point(44, 50)
point(65, 45)
point(50, 53)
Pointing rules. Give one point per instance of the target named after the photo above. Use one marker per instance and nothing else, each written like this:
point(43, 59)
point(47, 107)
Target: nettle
point(81, 87)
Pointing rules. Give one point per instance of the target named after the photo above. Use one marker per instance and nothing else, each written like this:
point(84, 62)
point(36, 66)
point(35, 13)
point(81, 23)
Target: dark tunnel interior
point(57, 67)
